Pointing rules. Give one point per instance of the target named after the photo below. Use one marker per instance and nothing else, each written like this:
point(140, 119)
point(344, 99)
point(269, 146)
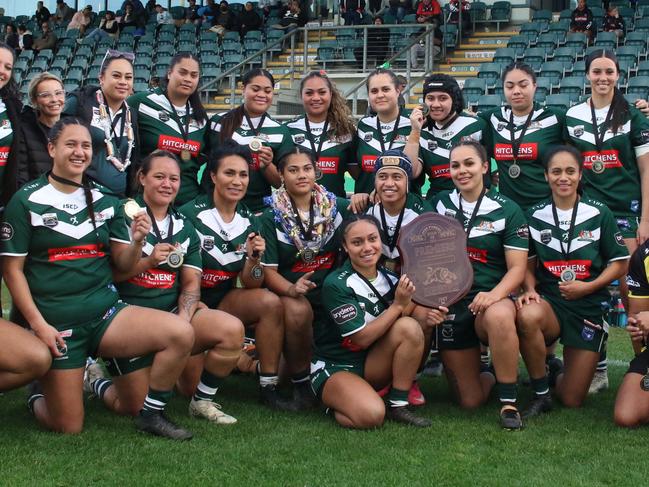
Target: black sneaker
point(303, 396)
point(510, 418)
point(269, 396)
point(539, 404)
point(404, 415)
point(159, 425)
point(554, 367)
point(34, 392)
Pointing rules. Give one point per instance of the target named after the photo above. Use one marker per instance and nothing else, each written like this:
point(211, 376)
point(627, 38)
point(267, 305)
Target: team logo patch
point(587, 333)
point(450, 213)
point(109, 313)
point(50, 220)
point(622, 223)
point(432, 145)
point(546, 236)
point(501, 126)
point(585, 236)
point(367, 137)
point(635, 206)
point(263, 137)
point(163, 116)
point(485, 226)
point(447, 331)
point(298, 139)
point(644, 136)
point(208, 243)
point(523, 232)
point(578, 130)
point(619, 239)
point(6, 231)
point(344, 313)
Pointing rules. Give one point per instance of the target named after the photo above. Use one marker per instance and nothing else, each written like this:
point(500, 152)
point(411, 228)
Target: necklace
point(108, 125)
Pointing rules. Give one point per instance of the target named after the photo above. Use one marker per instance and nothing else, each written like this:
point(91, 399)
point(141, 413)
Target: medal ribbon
point(184, 129)
point(309, 135)
point(598, 131)
point(394, 132)
point(379, 296)
point(391, 240)
point(474, 213)
point(255, 130)
point(156, 230)
point(516, 143)
point(115, 121)
point(447, 124)
point(306, 232)
point(565, 253)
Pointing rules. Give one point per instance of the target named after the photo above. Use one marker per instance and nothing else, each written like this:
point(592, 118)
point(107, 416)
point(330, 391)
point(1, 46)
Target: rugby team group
point(116, 246)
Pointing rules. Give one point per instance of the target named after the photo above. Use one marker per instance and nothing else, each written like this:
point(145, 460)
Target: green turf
point(565, 447)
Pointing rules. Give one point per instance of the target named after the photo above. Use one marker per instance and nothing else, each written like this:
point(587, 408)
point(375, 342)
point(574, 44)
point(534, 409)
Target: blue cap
point(395, 159)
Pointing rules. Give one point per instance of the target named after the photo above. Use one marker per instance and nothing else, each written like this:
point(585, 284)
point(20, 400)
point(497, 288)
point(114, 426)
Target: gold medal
point(185, 155)
point(568, 275)
point(131, 208)
point(255, 144)
point(175, 259)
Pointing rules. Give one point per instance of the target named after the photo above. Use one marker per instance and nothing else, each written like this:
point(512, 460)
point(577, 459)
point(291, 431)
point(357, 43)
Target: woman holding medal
point(497, 244)
point(436, 126)
point(326, 128)
point(249, 124)
point(388, 129)
point(613, 137)
point(113, 125)
point(231, 249)
point(173, 118)
point(300, 228)
point(366, 339)
point(168, 278)
point(577, 251)
point(57, 253)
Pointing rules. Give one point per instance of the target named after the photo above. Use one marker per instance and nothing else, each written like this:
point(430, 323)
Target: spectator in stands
point(138, 8)
point(81, 20)
point(429, 11)
point(47, 40)
point(42, 13)
point(25, 38)
point(352, 11)
point(47, 99)
point(162, 15)
point(150, 7)
point(455, 14)
point(249, 20)
point(419, 49)
point(613, 22)
point(108, 27)
point(377, 44)
point(224, 20)
point(209, 11)
point(132, 19)
point(63, 13)
point(11, 37)
point(581, 19)
point(191, 13)
point(293, 16)
point(400, 8)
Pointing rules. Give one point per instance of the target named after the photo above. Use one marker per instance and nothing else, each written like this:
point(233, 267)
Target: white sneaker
point(599, 383)
point(210, 411)
point(93, 372)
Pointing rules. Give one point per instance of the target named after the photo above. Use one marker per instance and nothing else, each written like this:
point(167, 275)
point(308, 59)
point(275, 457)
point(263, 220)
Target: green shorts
point(82, 340)
point(575, 332)
point(628, 225)
point(123, 366)
point(458, 331)
point(322, 370)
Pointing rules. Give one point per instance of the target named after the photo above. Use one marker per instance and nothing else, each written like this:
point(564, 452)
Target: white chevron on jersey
point(317, 132)
point(408, 216)
point(225, 231)
point(75, 231)
point(582, 112)
point(148, 111)
point(362, 290)
point(535, 125)
point(70, 203)
point(5, 129)
point(576, 244)
point(584, 213)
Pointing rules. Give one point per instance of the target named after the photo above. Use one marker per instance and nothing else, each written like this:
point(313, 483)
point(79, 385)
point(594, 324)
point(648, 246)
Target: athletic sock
point(602, 364)
point(266, 380)
point(540, 386)
point(397, 398)
point(100, 386)
point(31, 400)
point(506, 392)
point(300, 378)
point(484, 357)
point(155, 402)
point(207, 387)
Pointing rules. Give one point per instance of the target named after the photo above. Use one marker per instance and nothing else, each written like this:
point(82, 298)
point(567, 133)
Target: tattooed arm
point(190, 292)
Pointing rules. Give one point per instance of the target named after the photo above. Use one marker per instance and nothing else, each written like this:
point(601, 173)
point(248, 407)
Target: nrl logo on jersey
point(208, 243)
point(501, 126)
point(450, 213)
point(578, 130)
point(163, 116)
point(299, 138)
point(546, 236)
point(50, 220)
point(432, 145)
point(367, 137)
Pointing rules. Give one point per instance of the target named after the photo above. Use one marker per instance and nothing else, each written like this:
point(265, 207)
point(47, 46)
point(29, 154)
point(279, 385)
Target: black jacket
point(33, 158)
point(9, 187)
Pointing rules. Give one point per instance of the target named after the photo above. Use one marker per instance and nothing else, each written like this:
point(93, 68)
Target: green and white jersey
point(335, 153)
point(596, 242)
point(611, 175)
point(349, 306)
point(274, 134)
point(415, 206)
point(369, 134)
point(282, 253)
point(498, 226)
point(435, 145)
point(545, 131)
point(159, 286)
point(6, 138)
point(101, 169)
point(159, 129)
point(66, 259)
point(223, 245)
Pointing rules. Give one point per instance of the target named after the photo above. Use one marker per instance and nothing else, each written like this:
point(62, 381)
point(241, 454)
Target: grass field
point(565, 447)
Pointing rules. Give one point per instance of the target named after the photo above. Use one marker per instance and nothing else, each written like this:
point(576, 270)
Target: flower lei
point(324, 205)
point(104, 120)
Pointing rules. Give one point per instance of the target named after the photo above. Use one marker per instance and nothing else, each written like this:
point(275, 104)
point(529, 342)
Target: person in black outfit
point(42, 13)
point(249, 20)
point(613, 22)
point(352, 11)
point(377, 44)
point(581, 19)
point(25, 38)
point(11, 37)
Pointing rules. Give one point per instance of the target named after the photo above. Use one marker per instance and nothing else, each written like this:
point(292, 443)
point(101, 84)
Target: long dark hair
point(10, 95)
point(344, 228)
point(295, 150)
point(339, 115)
point(229, 148)
point(232, 120)
point(198, 110)
point(619, 105)
point(86, 182)
point(576, 155)
point(10, 90)
point(526, 68)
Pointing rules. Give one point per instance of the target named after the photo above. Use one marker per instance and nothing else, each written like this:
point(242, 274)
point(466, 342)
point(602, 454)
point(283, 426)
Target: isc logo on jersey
point(580, 267)
point(504, 152)
point(4, 155)
point(328, 165)
point(610, 158)
point(176, 144)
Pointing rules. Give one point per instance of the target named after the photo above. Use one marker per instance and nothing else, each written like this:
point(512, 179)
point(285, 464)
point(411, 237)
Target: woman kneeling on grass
point(367, 339)
point(168, 277)
point(576, 252)
point(57, 259)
